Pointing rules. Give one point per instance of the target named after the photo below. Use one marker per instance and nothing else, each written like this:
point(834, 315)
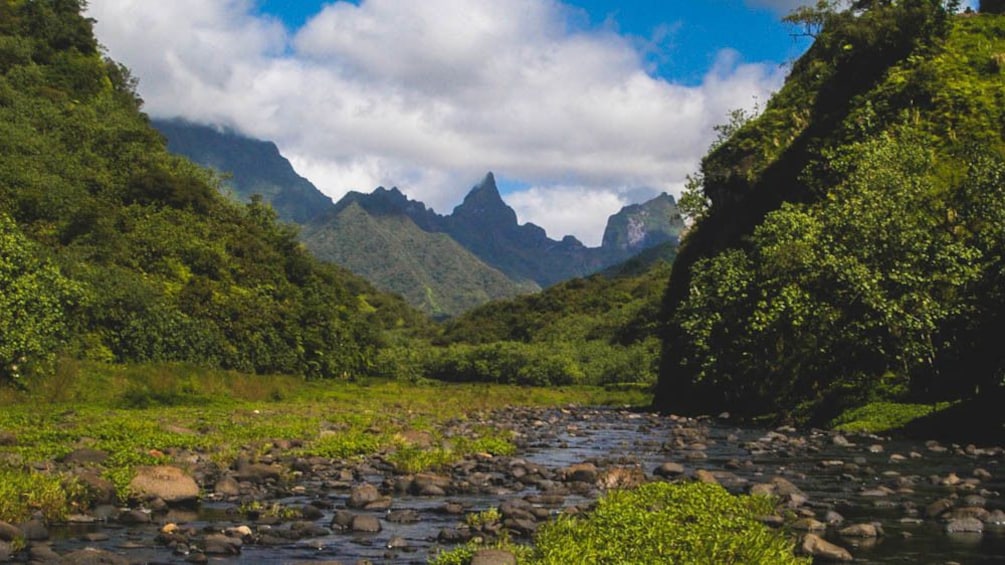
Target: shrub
point(690, 523)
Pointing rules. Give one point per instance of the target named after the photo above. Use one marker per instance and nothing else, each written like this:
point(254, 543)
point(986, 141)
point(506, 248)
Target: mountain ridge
point(486, 229)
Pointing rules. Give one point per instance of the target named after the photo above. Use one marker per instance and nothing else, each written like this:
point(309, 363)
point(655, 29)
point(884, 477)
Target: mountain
point(489, 254)
point(248, 166)
point(852, 249)
point(116, 250)
point(430, 270)
point(641, 226)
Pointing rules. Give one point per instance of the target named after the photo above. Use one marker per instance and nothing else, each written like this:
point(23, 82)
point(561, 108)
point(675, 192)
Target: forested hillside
point(849, 241)
point(113, 249)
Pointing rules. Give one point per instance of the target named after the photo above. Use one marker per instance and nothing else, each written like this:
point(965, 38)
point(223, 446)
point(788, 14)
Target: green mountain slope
point(429, 270)
point(249, 167)
point(129, 253)
point(851, 249)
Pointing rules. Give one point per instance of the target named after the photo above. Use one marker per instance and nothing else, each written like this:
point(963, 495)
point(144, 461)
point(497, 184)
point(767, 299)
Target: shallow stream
point(848, 479)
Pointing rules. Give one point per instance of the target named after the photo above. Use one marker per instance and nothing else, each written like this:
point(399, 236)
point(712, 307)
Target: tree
point(34, 299)
point(992, 7)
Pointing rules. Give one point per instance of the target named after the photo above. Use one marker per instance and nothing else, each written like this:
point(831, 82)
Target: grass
point(687, 523)
point(880, 417)
point(145, 415)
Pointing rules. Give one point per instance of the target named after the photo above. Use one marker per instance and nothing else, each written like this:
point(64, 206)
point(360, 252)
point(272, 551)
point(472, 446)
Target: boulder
point(669, 470)
point(822, 549)
point(493, 557)
point(367, 524)
point(170, 484)
point(965, 526)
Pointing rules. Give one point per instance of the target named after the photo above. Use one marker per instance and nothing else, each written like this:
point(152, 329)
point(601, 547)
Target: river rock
point(170, 484)
point(10, 532)
point(938, 508)
point(342, 520)
point(493, 557)
point(822, 549)
point(365, 523)
point(429, 484)
point(219, 544)
point(703, 476)
point(257, 473)
point(362, 495)
point(101, 491)
point(860, 531)
point(965, 526)
point(92, 556)
point(621, 478)
point(227, 486)
point(406, 516)
point(809, 525)
point(42, 553)
point(669, 470)
point(581, 473)
point(34, 530)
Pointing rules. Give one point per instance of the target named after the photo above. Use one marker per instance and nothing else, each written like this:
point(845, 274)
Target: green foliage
point(24, 492)
point(226, 415)
point(849, 254)
point(879, 417)
point(36, 301)
point(666, 523)
point(162, 266)
point(691, 523)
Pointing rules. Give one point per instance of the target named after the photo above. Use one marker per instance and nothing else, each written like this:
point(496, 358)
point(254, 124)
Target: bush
point(34, 300)
point(667, 523)
point(691, 523)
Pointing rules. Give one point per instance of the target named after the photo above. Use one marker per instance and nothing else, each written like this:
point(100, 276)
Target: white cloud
point(567, 210)
point(430, 95)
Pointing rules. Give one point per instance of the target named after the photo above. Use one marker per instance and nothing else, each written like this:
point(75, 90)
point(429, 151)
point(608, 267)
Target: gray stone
point(822, 549)
point(581, 472)
point(493, 557)
point(362, 495)
point(669, 470)
point(406, 516)
point(35, 530)
point(86, 456)
point(92, 556)
point(227, 486)
point(860, 531)
point(365, 523)
point(170, 484)
point(219, 544)
point(10, 532)
point(965, 526)
point(101, 491)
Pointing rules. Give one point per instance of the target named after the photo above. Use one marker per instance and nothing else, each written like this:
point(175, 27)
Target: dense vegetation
point(601, 329)
point(140, 414)
point(248, 167)
point(850, 244)
point(429, 270)
point(691, 523)
point(113, 249)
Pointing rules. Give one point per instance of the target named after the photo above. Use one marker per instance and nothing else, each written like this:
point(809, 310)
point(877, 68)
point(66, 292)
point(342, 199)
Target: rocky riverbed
point(862, 497)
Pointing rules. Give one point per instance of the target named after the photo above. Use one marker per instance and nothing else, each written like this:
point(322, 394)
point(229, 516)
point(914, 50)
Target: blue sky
point(578, 107)
point(686, 35)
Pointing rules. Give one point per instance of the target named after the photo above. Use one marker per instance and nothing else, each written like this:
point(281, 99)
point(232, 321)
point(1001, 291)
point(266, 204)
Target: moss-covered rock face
point(847, 255)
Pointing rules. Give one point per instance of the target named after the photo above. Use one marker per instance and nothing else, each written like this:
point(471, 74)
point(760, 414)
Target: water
point(564, 438)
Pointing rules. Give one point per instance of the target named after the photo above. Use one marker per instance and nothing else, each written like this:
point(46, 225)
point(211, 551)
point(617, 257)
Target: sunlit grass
point(144, 415)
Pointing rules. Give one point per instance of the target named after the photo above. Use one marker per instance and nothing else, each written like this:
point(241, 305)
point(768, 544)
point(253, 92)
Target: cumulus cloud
point(430, 95)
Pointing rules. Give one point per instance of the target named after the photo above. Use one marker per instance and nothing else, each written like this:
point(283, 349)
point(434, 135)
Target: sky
point(579, 107)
